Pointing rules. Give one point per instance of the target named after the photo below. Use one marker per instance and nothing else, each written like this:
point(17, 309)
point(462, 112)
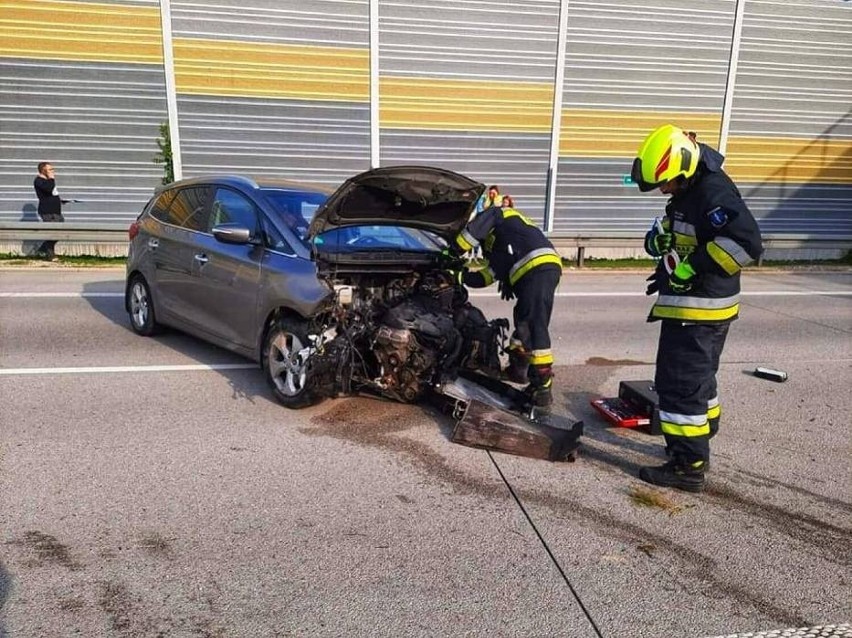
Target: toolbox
point(636, 406)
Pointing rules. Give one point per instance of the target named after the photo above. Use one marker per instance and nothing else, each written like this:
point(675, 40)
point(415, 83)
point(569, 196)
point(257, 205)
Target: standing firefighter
point(526, 265)
point(707, 236)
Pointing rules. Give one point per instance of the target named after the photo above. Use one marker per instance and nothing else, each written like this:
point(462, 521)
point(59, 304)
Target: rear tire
point(285, 365)
point(140, 308)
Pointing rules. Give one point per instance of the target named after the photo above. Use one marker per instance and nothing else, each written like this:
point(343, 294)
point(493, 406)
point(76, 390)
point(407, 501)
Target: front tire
point(140, 308)
point(285, 363)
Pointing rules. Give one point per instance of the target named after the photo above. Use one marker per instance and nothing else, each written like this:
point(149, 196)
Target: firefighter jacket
point(716, 233)
point(511, 243)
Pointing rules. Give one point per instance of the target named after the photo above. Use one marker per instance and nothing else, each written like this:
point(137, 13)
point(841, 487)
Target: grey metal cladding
point(641, 55)
point(317, 23)
point(322, 142)
point(623, 55)
point(517, 162)
point(96, 121)
point(794, 76)
point(469, 39)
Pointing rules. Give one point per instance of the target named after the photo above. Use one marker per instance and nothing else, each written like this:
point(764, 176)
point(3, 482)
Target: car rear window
point(185, 207)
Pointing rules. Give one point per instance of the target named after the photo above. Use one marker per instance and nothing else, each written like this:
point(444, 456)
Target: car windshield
point(294, 207)
point(373, 237)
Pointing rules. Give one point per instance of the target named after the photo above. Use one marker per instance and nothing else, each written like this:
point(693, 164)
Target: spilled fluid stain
point(48, 549)
point(601, 361)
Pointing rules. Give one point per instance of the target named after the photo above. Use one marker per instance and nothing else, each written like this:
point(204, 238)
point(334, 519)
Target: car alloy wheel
point(287, 363)
point(140, 306)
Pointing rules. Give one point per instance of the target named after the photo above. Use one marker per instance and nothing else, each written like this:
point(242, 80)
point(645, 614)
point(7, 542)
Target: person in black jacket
point(526, 265)
point(707, 236)
point(49, 204)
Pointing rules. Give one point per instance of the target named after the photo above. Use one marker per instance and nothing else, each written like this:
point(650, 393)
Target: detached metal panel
point(790, 145)
point(630, 67)
point(468, 85)
point(273, 88)
point(82, 87)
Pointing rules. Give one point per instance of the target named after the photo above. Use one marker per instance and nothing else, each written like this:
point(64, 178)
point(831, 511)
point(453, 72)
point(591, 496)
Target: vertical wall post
point(375, 157)
point(171, 90)
point(732, 76)
point(556, 123)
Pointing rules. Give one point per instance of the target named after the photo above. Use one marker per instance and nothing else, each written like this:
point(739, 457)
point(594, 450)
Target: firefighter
point(707, 236)
point(526, 265)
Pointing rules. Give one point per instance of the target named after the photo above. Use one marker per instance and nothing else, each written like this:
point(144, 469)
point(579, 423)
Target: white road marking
point(754, 293)
point(110, 369)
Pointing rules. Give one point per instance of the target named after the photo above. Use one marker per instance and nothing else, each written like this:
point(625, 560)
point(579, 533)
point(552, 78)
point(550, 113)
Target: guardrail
point(117, 233)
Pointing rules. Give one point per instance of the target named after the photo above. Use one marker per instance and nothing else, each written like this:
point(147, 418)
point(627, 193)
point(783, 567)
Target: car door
point(227, 276)
point(181, 214)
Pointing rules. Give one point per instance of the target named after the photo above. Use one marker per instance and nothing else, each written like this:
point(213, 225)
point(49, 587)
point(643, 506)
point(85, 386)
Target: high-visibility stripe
point(714, 412)
point(541, 357)
point(466, 241)
point(682, 241)
point(511, 212)
point(676, 429)
point(487, 275)
point(683, 228)
point(725, 261)
point(689, 301)
point(694, 314)
point(531, 260)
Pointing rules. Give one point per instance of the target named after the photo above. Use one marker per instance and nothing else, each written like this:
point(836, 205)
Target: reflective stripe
point(694, 314)
point(688, 301)
point(511, 212)
point(681, 241)
point(713, 403)
point(714, 411)
point(728, 254)
point(541, 357)
point(466, 241)
point(515, 344)
point(487, 275)
point(685, 430)
point(683, 419)
point(532, 259)
point(682, 228)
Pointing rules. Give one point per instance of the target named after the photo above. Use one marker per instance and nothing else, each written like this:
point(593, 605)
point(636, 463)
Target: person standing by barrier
point(707, 236)
point(49, 205)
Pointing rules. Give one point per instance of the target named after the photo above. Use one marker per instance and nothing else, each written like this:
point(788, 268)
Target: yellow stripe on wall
point(785, 159)
point(601, 133)
point(228, 67)
point(464, 105)
point(52, 30)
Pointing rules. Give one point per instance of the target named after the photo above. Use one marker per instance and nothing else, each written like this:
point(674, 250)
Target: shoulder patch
point(718, 217)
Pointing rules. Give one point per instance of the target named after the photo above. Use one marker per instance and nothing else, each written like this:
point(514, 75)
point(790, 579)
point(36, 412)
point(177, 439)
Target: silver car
point(331, 292)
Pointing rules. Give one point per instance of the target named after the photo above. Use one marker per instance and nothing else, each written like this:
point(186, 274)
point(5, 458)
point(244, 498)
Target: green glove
point(657, 244)
point(681, 278)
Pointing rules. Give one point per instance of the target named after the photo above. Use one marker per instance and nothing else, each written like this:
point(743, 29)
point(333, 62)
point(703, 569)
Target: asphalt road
point(151, 487)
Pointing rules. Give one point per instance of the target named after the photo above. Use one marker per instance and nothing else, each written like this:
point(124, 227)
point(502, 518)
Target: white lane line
point(108, 369)
point(755, 293)
point(48, 295)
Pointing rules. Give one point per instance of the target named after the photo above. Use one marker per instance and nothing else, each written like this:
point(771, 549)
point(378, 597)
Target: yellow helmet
point(665, 154)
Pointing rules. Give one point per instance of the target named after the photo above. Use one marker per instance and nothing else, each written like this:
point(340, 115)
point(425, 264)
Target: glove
point(505, 290)
point(658, 244)
point(457, 276)
point(681, 278)
point(653, 287)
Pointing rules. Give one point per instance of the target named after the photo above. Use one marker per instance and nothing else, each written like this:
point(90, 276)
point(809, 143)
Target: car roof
point(249, 183)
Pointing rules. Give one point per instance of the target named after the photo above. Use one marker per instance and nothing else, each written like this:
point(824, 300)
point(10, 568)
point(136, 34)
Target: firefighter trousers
point(535, 292)
point(685, 380)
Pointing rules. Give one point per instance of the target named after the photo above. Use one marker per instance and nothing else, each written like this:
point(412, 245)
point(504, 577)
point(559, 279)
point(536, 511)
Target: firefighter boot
point(519, 361)
point(539, 389)
point(677, 474)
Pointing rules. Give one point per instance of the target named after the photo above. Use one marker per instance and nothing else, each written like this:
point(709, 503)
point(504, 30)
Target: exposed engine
point(397, 335)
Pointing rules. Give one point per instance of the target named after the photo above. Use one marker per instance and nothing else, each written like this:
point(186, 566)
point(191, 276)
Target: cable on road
point(546, 547)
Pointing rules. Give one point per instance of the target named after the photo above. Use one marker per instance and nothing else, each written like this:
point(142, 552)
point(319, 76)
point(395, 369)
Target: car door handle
point(153, 243)
point(201, 259)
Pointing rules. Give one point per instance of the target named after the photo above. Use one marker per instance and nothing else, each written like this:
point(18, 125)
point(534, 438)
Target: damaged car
point(333, 293)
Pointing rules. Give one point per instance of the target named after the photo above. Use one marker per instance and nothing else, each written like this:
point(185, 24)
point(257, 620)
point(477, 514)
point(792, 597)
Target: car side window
point(188, 210)
point(273, 239)
point(230, 207)
point(160, 209)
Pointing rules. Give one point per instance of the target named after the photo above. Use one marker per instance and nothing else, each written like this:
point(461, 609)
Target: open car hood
point(421, 197)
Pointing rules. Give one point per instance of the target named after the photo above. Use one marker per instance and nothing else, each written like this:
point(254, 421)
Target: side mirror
point(232, 234)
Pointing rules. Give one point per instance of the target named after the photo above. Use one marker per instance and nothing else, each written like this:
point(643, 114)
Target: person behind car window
point(526, 265)
point(489, 198)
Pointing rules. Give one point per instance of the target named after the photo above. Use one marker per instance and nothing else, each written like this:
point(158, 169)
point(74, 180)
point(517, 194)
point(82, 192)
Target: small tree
point(164, 155)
